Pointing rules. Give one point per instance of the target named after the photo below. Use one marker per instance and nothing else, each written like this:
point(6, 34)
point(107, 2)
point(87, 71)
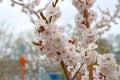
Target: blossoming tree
point(77, 54)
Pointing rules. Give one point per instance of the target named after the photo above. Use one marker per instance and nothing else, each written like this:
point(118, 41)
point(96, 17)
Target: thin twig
point(56, 3)
point(106, 21)
point(50, 19)
point(77, 71)
point(21, 4)
point(43, 17)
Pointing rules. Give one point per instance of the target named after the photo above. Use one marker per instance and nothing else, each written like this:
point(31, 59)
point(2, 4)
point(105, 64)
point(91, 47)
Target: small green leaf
point(35, 43)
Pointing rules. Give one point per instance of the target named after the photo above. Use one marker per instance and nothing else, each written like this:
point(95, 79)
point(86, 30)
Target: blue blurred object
point(54, 76)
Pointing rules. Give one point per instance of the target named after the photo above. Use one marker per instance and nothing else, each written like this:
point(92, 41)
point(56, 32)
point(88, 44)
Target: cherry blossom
point(46, 34)
point(57, 40)
point(53, 12)
point(80, 48)
point(92, 16)
point(79, 4)
point(90, 35)
point(107, 64)
point(78, 21)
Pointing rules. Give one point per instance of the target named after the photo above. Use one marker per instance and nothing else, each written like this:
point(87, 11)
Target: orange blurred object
point(22, 60)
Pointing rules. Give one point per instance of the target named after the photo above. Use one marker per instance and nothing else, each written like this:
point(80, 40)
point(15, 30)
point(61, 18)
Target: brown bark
point(86, 15)
point(65, 70)
point(78, 76)
point(90, 69)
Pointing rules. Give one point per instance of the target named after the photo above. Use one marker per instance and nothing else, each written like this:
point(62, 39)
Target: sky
point(18, 21)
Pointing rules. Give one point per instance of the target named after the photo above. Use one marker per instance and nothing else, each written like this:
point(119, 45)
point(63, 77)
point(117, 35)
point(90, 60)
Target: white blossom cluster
point(107, 67)
point(75, 50)
point(79, 51)
point(82, 5)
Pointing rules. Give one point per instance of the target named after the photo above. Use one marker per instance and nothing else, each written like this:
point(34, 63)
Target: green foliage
point(104, 46)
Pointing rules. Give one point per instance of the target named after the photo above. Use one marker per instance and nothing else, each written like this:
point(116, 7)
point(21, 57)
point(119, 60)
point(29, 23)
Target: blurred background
point(17, 34)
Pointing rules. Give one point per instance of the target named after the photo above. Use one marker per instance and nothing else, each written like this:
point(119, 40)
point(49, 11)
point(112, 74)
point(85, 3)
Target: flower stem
point(65, 70)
